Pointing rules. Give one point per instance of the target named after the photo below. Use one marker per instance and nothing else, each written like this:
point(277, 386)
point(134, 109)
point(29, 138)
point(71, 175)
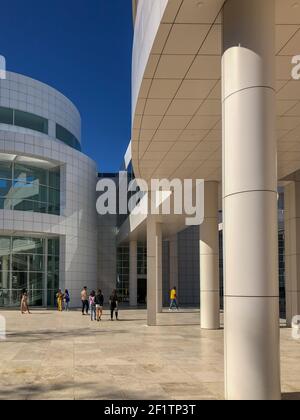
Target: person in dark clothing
point(99, 301)
point(114, 302)
point(85, 301)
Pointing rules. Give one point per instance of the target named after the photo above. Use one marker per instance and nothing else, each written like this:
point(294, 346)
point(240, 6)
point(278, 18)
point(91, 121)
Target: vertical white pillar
point(292, 248)
point(173, 249)
point(133, 273)
point(209, 260)
point(154, 270)
point(5, 279)
point(252, 356)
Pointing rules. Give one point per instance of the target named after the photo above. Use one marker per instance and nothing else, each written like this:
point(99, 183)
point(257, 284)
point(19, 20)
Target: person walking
point(24, 302)
point(114, 303)
point(67, 300)
point(99, 301)
point(85, 301)
point(59, 300)
point(173, 299)
point(92, 304)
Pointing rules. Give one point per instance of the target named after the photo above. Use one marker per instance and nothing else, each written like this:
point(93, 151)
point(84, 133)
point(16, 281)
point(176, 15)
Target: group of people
point(91, 303)
point(94, 303)
point(63, 300)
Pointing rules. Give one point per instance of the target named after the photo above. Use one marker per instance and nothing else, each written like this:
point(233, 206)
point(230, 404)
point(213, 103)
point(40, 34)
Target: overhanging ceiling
point(177, 120)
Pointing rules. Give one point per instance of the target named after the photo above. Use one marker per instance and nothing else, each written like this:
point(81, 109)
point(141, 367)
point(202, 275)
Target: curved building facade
point(48, 221)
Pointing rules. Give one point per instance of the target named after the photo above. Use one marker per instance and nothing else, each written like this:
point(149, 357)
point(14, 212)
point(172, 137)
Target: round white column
point(154, 270)
point(252, 356)
point(209, 260)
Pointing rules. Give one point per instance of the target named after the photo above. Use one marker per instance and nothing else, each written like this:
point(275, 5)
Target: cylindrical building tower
point(48, 222)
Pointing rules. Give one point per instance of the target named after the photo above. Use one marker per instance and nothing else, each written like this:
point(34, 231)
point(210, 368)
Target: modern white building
point(48, 222)
point(214, 99)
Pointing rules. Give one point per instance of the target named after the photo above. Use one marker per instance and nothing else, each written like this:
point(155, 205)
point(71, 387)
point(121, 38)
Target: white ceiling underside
point(177, 127)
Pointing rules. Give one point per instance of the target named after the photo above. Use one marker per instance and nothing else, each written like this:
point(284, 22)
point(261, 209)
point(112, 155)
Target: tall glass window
point(142, 260)
point(31, 264)
point(123, 273)
point(29, 185)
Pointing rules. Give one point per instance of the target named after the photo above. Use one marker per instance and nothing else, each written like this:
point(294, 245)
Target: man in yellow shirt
point(173, 299)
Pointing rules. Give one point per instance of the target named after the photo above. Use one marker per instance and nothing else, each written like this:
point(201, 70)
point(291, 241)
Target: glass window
point(19, 262)
point(4, 279)
point(5, 187)
point(142, 260)
point(28, 245)
point(33, 192)
point(53, 247)
point(19, 280)
point(36, 281)
point(5, 169)
point(23, 266)
point(6, 116)
point(5, 245)
point(54, 196)
point(5, 204)
point(123, 273)
point(67, 137)
point(40, 207)
point(36, 262)
point(4, 263)
point(26, 174)
point(31, 121)
point(53, 263)
point(54, 178)
point(33, 188)
point(37, 123)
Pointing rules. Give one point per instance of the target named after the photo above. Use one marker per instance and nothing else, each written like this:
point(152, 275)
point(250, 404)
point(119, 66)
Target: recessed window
point(6, 116)
point(36, 123)
point(67, 137)
point(31, 121)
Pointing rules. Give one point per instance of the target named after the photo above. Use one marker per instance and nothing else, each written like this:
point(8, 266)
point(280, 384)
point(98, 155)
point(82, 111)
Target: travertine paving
point(51, 355)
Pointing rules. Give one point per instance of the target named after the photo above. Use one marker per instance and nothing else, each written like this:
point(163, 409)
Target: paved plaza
point(51, 355)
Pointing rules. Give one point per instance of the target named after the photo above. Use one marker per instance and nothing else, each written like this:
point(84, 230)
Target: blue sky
point(82, 48)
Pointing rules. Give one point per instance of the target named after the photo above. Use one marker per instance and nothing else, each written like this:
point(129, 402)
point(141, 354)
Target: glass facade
point(123, 269)
point(32, 264)
point(27, 185)
point(142, 260)
point(123, 273)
